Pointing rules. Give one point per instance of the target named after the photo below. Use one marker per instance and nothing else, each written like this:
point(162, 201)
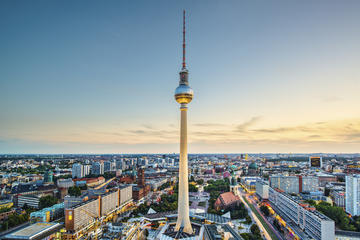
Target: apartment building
point(311, 222)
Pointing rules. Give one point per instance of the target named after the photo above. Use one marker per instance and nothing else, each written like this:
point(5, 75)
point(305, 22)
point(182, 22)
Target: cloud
point(244, 126)
point(207, 124)
point(147, 126)
point(311, 135)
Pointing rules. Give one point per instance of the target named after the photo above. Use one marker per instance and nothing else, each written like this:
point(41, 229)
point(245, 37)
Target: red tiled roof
point(228, 198)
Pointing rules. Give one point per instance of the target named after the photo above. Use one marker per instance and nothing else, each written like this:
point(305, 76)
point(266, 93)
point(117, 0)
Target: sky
point(99, 76)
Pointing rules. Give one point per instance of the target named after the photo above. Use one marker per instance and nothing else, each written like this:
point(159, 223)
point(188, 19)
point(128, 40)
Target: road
point(252, 201)
point(258, 222)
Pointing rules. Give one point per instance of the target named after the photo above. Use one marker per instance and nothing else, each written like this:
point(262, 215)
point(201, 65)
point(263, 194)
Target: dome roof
point(253, 165)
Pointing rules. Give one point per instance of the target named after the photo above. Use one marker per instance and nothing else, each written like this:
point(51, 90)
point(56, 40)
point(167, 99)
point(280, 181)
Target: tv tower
point(183, 95)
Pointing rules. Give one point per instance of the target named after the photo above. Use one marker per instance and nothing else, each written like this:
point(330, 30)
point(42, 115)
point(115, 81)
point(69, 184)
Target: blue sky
point(99, 76)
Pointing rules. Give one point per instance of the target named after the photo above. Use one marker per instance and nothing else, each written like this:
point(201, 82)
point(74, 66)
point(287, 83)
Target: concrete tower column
point(183, 95)
point(183, 219)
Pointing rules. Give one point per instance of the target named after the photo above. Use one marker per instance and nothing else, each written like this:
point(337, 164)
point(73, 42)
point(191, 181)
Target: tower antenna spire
point(183, 63)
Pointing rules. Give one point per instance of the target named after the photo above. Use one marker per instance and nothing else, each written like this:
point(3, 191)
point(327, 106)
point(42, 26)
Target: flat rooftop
point(35, 231)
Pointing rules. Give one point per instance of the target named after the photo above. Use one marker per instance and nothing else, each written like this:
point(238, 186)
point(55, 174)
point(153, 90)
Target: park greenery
point(192, 188)
point(47, 201)
point(164, 186)
point(16, 219)
point(254, 235)
point(215, 188)
point(200, 181)
point(167, 203)
point(341, 219)
point(74, 191)
point(5, 209)
point(23, 171)
point(265, 210)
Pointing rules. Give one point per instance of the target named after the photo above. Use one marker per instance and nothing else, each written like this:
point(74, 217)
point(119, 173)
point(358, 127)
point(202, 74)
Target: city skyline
point(269, 77)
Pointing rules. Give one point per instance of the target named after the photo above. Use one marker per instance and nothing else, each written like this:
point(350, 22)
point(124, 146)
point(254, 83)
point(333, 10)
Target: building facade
point(295, 184)
point(97, 168)
point(262, 189)
point(352, 199)
point(309, 221)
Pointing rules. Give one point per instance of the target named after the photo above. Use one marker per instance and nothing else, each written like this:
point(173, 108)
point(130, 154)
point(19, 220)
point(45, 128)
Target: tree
point(47, 201)
point(265, 210)
point(74, 191)
point(327, 192)
point(200, 181)
point(248, 219)
point(255, 230)
point(146, 233)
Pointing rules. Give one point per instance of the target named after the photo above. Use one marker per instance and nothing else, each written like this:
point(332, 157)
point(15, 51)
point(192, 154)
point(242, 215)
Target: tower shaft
point(183, 219)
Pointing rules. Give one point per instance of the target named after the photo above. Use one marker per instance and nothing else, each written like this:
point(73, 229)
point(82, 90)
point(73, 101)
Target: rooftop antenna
point(183, 63)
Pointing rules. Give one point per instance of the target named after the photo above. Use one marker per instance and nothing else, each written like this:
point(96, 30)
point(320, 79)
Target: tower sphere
point(184, 94)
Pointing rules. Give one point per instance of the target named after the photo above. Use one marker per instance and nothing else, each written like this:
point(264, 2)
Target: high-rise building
point(120, 165)
point(78, 171)
point(352, 194)
point(183, 95)
point(87, 169)
point(97, 168)
point(107, 166)
point(141, 177)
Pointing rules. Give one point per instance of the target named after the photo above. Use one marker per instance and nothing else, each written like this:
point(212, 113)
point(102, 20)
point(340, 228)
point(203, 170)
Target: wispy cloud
point(252, 133)
point(244, 126)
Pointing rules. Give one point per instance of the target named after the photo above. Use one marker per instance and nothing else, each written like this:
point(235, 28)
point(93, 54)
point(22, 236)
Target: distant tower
point(183, 95)
point(141, 177)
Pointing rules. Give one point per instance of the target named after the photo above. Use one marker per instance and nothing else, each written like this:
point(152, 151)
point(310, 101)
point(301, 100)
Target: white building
point(295, 184)
point(29, 200)
point(87, 169)
point(309, 221)
point(339, 198)
point(65, 183)
point(352, 198)
point(262, 189)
